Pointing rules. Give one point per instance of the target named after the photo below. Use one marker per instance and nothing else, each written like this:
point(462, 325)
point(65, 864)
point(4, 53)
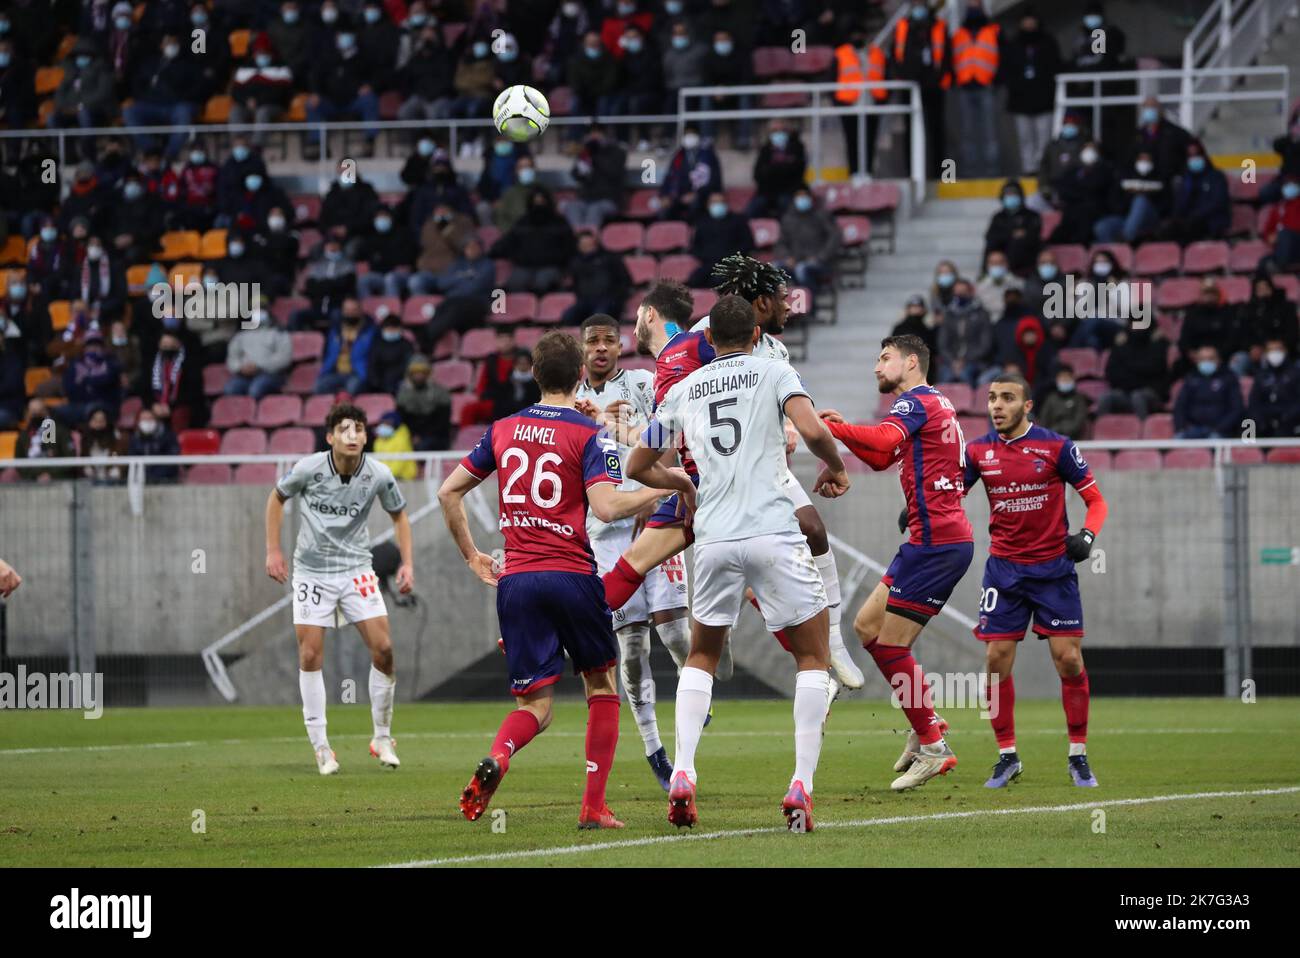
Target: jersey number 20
point(540, 477)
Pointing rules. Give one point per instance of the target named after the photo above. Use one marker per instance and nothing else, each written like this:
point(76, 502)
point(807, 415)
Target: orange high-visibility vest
point(938, 42)
point(876, 71)
point(975, 59)
point(850, 71)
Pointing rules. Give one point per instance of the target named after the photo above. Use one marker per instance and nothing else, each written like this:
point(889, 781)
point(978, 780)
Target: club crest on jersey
point(901, 407)
point(988, 453)
point(1038, 465)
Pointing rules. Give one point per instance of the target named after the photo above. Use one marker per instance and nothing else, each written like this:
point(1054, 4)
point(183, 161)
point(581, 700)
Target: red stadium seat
point(1246, 254)
point(738, 197)
point(207, 474)
point(1071, 257)
point(1210, 256)
point(1157, 259)
point(277, 410)
point(1243, 220)
point(642, 269)
point(292, 441)
point(1122, 252)
point(1287, 454)
point(520, 308)
point(1236, 289)
point(447, 346)
point(1085, 361)
point(875, 198)
point(302, 379)
point(1188, 459)
point(1289, 284)
point(231, 411)
point(453, 374)
point(199, 442)
point(1051, 220)
point(639, 205)
point(129, 412)
point(1246, 383)
point(1137, 459)
point(467, 437)
point(560, 97)
point(551, 309)
point(314, 411)
point(243, 442)
point(767, 232)
point(836, 197)
point(812, 61)
point(1092, 388)
point(308, 240)
point(667, 237)
point(458, 403)
point(1117, 427)
point(478, 344)
point(306, 208)
point(1178, 293)
point(308, 345)
point(972, 427)
point(1098, 460)
point(380, 307)
point(622, 237)
point(255, 474)
point(1170, 324)
point(285, 306)
point(854, 230)
point(215, 377)
point(678, 267)
point(488, 235)
point(1245, 455)
point(418, 310)
point(528, 336)
point(704, 300)
point(1158, 425)
point(374, 405)
point(959, 394)
point(772, 62)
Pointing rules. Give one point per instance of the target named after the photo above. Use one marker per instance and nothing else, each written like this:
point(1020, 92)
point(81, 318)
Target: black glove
point(902, 522)
point(1079, 546)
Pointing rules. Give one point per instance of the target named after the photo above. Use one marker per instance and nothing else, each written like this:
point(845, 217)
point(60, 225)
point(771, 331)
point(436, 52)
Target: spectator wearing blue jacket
point(153, 438)
point(347, 352)
point(93, 379)
point(693, 173)
point(1209, 405)
point(1202, 208)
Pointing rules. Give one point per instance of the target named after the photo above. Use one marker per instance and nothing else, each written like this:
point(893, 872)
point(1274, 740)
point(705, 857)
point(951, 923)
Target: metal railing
point(1189, 92)
point(1231, 33)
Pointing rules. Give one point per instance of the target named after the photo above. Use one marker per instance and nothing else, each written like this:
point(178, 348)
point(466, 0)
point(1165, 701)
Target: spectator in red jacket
point(1282, 225)
point(261, 90)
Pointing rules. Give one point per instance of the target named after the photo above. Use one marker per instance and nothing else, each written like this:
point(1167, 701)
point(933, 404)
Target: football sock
point(638, 684)
point(903, 674)
point(602, 738)
point(1002, 713)
point(676, 637)
point(312, 687)
point(694, 694)
point(831, 579)
point(779, 633)
point(382, 688)
point(1074, 697)
point(810, 691)
point(519, 728)
point(621, 583)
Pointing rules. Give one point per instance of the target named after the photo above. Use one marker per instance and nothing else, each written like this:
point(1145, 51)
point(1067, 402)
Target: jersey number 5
point(540, 477)
point(733, 424)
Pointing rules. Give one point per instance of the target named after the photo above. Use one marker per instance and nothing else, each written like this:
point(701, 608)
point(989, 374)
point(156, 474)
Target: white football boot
point(845, 669)
point(325, 760)
point(930, 760)
point(382, 749)
point(914, 745)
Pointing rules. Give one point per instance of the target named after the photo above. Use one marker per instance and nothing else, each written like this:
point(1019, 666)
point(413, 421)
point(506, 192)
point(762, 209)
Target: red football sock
point(1002, 711)
point(519, 728)
point(621, 583)
point(779, 633)
point(1074, 696)
point(602, 737)
point(918, 703)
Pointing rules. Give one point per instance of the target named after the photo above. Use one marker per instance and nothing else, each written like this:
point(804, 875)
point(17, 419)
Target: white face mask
point(690, 141)
point(1102, 267)
point(1275, 357)
point(1088, 156)
point(1144, 166)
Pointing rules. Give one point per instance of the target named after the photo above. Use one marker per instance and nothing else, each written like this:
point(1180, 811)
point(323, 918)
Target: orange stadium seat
point(48, 80)
point(14, 250)
point(137, 277)
point(239, 40)
point(297, 110)
point(180, 244)
point(213, 245)
point(60, 314)
point(34, 376)
point(8, 443)
point(217, 109)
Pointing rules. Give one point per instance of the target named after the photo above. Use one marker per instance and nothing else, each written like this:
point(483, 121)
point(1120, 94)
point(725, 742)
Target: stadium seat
point(767, 232)
point(972, 427)
point(1051, 220)
point(380, 307)
point(1071, 257)
point(243, 442)
point(1086, 362)
point(678, 267)
point(8, 444)
point(374, 405)
point(308, 240)
point(1246, 383)
point(642, 269)
point(1289, 284)
point(34, 376)
point(1240, 456)
point(772, 62)
point(275, 411)
point(872, 198)
point(527, 337)
point(1137, 459)
point(1170, 324)
point(1122, 252)
point(231, 411)
point(306, 208)
point(447, 346)
point(667, 236)
point(453, 374)
point(212, 245)
point(179, 244)
point(255, 474)
point(552, 306)
point(307, 345)
point(458, 403)
point(478, 344)
point(1243, 220)
point(703, 300)
point(467, 437)
point(738, 197)
point(560, 97)
point(488, 235)
point(302, 379)
point(813, 61)
point(215, 377)
point(1242, 192)
point(1287, 454)
point(314, 411)
point(1092, 388)
point(129, 412)
point(622, 237)
point(1156, 259)
point(292, 441)
point(783, 101)
point(47, 80)
point(283, 308)
point(1246, 254)
point(217, 109)
point(959, 394)
point(1177, 385)
point(1116, 427)
point(1098, 460)
point(854, 230)
point(640, 205)
point(186, 272)
point(199, 442)
point(418, 310)
point(60, 314)
point(137, 277)
point(1158, 425)
point(1209, 256)
point(1236, 289)
point(208, 474)
point(1188, 459)
point(1178, 293)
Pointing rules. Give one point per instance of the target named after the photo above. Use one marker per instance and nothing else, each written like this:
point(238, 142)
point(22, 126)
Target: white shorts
point(355, 595)
point(779, 567)
point(795, 490)
point(664, 589)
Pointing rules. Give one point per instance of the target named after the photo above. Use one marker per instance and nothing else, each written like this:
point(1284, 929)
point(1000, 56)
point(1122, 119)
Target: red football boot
point(482, 786)
point(681, 802)
point(590, 818)
point(797, 806)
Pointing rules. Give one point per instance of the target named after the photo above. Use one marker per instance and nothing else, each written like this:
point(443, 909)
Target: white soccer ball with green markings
point(521, 113)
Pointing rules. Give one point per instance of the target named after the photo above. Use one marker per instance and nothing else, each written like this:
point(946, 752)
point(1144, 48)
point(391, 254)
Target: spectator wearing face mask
point(729, 63)
point(1209, 404)
point(1014, 230)
point(1288, 147)
point(153, 438)
point(390, 254)
point(232, 176)
point(137, 222)
point(88, 199)
point(442, 187)
point(539, 247)
point(43, 437)
point(941, 289)
point(993, 285)
point(189, 191)
point(277, 247)
point(259, 359)
point(1045, 277)
point(1282, 225)
point(918, 321)
point(1029, 64)
point(613, 28)
point(1059, 155)
point(391, 435)
point(418, 168)
point(475, 82)
point(99, 438)
point(1138, 202)
point(390, 353)
point(379, 39)
point(426, 79)
point(810, 241)
point(693, 174)
point(290, 36)
point(1137, 373)
point(175, 378)
point(85, 94)
point(1163, 140)
point(425, 406)
point(1200, 207)
point(1274, 402)
point(262, 89)
point(498, 174)
point(965, 337)
point(165, 91)
point(779, 170)
point(600, 281)
point(1063, 408)
point(345, 363)
point(593, 77)
point(1084, 190)
point(564, 38)
point(124, 346)
point(466, 285)
point(683, 58)
point(254, 203)
point(349, 208)
point(213, 66)
point(1268, 315)
point(47, 258)
point(98, 281)
point(1097, 321)
point(25, 322)
point(331, 278)
point(442, 242)
point(642, 84)
point(511, 66)
point(243, 264)
point(341, 85)
point(92, 379)
point(717, 233)
point(1208, 322)
point(513, 204)
point(599, 170)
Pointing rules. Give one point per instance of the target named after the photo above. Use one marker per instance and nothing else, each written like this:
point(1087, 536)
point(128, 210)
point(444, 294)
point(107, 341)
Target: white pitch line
point(859, 823)
point(289, 739)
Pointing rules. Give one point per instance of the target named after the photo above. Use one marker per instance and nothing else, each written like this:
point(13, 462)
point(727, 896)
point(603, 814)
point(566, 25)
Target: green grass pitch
point(124, 790)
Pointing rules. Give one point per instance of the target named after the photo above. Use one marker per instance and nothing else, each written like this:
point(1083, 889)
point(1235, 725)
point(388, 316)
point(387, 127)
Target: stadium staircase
point(1251, 126)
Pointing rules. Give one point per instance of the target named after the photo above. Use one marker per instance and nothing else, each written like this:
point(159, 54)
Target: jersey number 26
point(540, 477)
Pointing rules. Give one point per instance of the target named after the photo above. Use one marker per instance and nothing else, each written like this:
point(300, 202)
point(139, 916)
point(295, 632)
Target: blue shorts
point(545, 614)
point(921, 578)
point(666, 514)
point(1015, 591)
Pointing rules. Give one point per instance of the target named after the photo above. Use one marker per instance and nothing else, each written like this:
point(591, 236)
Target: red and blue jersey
point(681, 356)
point(931, 462)
point(1025, 480)
point(548, 457)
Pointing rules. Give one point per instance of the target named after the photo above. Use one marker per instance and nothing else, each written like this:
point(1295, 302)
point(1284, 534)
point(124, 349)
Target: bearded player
point(1030, 573)
point(662, 599)
point(921, 434)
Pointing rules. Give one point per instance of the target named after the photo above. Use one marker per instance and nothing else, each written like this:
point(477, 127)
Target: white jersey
point(767, 347)
point(732, 413)
point(634, 386)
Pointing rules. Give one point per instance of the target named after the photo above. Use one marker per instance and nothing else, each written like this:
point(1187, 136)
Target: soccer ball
point(521, 113)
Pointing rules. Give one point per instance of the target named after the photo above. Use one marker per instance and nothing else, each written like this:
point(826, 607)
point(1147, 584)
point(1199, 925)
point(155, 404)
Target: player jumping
point(550, 601)
point(922, 435)
point(663, 597)
point(1030, 570)
point(730, 413)
point(331, 570)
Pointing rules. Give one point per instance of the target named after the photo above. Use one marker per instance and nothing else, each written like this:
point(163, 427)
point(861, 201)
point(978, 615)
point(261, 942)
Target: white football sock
point(382, 688)
point(831, 579)
point(1007, 751)
point(312, 687)
point(638, 683)
point(1078, 748)
point(810, 690)
point(694, 693)
point(676, 637)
